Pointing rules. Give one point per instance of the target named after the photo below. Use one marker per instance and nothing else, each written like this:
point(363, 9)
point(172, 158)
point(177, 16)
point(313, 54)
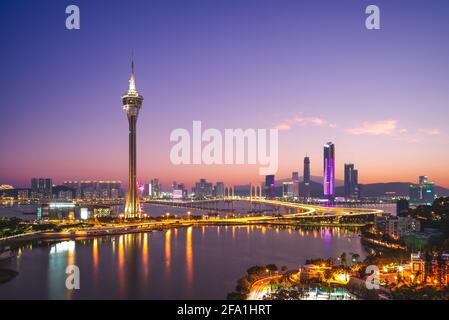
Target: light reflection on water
point(185, 263)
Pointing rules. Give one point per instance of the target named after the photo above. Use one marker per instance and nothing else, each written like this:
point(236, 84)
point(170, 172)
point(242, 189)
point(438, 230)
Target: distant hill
point(400, 188)
point(366, 190)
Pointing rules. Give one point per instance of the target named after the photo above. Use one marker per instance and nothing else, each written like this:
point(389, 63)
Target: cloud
point(429, 132)
point(299, 120)
point(382, 127)
point(282, 126)
point(390, 128)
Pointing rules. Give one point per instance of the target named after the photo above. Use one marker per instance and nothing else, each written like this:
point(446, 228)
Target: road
point(261, 287)
point(304, 210)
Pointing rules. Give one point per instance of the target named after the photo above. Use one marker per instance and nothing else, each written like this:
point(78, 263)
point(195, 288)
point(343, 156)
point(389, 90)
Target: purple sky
point(308, 67)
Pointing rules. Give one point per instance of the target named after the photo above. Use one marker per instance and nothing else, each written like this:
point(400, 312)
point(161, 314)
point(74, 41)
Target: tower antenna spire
point(132, 80)
point(132, 62)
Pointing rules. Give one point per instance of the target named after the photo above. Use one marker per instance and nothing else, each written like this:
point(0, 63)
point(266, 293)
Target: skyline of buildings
point(330, 103)
point(290, 188)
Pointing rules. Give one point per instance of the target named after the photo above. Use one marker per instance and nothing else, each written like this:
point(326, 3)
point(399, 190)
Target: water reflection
point(145, 257)
point(121, 262)
point(189, 256)
point(61, 255)
point(201, 263)
point(95, 255)
point(167, 250)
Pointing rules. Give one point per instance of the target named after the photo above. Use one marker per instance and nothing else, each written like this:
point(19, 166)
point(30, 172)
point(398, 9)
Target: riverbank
point(64, 229)
point(87, 233)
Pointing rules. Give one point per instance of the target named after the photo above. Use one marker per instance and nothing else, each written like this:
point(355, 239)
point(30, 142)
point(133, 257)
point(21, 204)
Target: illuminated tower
point(132, 102)
point(329, 170)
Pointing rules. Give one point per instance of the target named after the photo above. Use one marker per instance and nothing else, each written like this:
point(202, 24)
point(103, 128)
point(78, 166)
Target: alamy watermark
point(372, 281)
point(72, 282)
point(73, 22)
point(212, 147)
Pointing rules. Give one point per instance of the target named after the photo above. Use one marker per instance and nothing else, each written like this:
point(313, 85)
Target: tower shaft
point(132, 102)
point(133, 203)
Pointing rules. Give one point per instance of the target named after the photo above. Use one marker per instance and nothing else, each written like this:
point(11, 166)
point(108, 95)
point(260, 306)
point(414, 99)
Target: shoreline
point(49, 235)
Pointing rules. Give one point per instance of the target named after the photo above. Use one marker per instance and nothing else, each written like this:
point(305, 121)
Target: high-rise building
point(89, 189)
point(156, 188)
point(270, 186)
point(402, 206)
point(295, 181)
point(219, 190)
point(422, 193)
point(428, 194)
point(183, 188)
point(75, 185)
point(41, 188)
point(329, 170)
point(132, 103)
point(351, 181)
point(107, 189)
point(306, 192)
point(147, 187)
point(415, 193)
point(288, 189)
point(203, 189)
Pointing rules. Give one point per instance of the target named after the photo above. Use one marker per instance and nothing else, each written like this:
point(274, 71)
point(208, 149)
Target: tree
point(271, 267)
point(355, 258)
point(343, 260)
point(235, 296)
point(255, 270)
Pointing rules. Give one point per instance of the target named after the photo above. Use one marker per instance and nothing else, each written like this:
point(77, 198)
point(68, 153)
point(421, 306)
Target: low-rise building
point(399, 226)
point(396, 227)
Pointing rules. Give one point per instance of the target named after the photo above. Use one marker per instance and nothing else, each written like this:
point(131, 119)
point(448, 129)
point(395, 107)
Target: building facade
point(306, 192)
point(270, 186)
point(329, 170)
point(351, 182)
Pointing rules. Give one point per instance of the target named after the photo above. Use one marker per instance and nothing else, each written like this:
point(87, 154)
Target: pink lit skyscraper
point(329, 170)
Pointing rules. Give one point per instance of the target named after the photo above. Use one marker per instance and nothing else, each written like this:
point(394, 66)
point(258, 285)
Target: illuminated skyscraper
point(423, 193)
point(329, 170)
point(306, 177)
point(132, 102)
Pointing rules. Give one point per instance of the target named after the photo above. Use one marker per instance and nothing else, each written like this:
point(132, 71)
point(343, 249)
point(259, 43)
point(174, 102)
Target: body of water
point(184, 263)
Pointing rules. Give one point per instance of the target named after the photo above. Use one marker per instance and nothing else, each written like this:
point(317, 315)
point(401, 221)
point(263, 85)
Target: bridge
point(291, 210)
